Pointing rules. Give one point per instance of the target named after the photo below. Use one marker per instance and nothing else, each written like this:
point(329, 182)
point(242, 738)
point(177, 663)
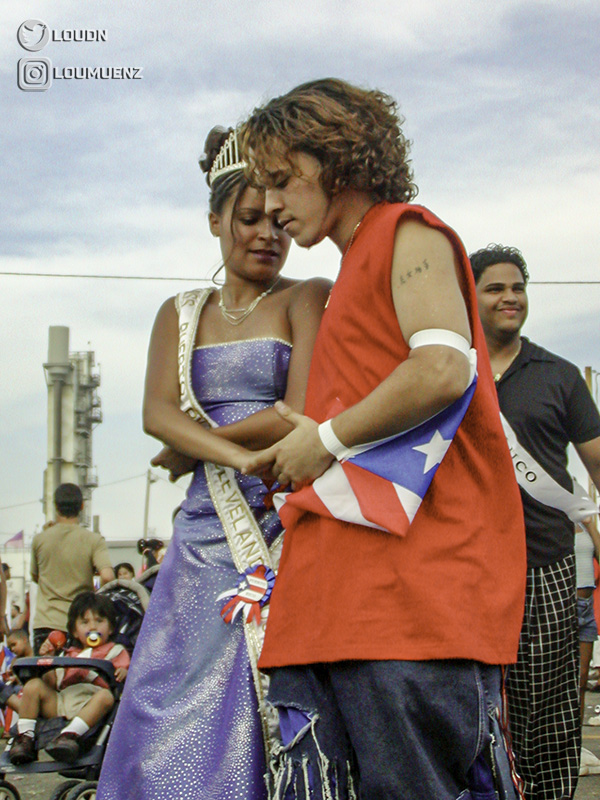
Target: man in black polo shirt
point(547, 405)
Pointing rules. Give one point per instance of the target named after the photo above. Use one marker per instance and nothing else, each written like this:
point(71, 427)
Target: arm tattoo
point(418, 270)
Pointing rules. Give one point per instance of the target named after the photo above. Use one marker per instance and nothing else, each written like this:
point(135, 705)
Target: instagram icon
point(34, 74)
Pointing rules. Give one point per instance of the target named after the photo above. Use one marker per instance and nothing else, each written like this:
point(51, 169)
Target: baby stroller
point(147, 579)
point(151, 550)
point(130, 601)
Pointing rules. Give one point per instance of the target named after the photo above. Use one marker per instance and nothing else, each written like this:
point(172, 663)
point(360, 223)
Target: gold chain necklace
point(345, 253)
point(235, 316)
point(349, 245)
point(498, 375)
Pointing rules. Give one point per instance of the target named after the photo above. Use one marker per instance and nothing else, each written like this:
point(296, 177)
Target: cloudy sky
point(100, 178)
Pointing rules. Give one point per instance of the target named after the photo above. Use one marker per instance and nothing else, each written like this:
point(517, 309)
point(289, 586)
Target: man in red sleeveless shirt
point(396, 600)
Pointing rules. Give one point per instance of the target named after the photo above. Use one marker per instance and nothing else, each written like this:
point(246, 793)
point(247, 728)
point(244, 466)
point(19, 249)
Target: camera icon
point(34, 74)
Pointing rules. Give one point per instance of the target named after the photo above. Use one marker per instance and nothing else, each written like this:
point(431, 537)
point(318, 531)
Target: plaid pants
point(543, 686)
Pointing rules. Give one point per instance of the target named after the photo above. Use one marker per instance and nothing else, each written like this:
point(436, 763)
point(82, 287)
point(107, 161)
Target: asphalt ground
point(41, 787)
point(38, 787)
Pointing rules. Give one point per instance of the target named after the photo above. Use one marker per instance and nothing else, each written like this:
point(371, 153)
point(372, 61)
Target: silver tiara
point(227, 160)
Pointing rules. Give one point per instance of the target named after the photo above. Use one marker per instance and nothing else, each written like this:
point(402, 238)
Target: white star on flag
point(435, 450)
point(382, 483)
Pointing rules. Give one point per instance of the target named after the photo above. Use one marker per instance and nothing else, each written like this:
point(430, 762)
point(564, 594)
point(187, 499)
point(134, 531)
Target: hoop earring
point(213, 277)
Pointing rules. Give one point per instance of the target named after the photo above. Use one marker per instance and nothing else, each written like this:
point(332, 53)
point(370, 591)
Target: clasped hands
point(295, 460)
point(175, 463)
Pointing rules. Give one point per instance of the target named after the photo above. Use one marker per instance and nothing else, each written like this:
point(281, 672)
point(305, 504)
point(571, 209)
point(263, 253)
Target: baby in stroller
point(129, 600)
point(80, 695)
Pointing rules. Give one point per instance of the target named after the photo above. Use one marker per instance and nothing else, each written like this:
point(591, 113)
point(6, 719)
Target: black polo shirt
point(548, 405)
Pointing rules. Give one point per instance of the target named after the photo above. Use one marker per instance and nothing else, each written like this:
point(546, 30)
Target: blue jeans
point(586, 620)
point(389, 730)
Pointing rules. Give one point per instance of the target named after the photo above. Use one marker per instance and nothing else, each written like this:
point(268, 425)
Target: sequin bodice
point(236, 379)
point(232, 381)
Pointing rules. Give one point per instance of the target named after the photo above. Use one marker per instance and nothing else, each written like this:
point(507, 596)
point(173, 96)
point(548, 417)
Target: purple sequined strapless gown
point(188, 726)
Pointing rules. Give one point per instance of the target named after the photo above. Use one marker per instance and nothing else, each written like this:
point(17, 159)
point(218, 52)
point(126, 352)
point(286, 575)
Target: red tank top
point(454, 586)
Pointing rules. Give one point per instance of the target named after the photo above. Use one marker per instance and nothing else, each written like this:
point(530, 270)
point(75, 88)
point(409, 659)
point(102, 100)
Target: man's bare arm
point(107, 574)
point(589, 453)
point(426, 295)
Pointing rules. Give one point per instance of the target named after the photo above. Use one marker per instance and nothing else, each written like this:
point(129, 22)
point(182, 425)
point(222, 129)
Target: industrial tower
point(74, 410)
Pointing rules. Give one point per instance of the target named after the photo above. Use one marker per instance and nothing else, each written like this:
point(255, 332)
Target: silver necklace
point(235, 316)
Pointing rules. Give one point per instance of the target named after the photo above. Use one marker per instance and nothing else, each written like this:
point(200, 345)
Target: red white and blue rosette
point(250, 595)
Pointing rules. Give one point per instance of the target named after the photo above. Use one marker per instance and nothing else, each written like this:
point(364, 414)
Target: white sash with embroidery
point(244, 536)
point(534, 479)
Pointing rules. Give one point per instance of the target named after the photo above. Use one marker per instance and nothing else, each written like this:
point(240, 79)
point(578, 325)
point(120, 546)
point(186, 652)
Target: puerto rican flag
point(381, 484)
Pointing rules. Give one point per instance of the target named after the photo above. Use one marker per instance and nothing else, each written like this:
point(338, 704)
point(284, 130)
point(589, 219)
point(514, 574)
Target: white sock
point(27, 726)
point(77, 725)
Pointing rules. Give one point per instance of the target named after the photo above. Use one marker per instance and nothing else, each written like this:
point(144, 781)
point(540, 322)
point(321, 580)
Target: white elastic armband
point(440, 336)
point(449, 339)
point(331, 443)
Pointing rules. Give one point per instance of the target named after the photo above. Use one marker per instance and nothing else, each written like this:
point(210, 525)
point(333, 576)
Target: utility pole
point(589, 379)
point(149, 480)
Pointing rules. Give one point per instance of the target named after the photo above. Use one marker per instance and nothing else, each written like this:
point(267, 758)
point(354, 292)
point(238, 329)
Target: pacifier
point(93, 639)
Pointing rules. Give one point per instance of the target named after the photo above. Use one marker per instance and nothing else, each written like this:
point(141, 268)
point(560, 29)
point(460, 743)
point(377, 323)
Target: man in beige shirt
point(63, 559)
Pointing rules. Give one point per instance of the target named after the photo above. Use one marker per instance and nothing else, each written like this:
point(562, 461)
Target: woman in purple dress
point(192, 722)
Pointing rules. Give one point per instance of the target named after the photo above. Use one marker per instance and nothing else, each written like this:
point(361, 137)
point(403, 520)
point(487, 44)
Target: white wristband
point(331, 443)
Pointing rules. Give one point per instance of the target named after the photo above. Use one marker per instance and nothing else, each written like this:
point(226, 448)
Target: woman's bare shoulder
point(312, 289)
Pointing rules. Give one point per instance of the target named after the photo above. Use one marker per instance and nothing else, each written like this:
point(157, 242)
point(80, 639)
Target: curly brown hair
point(354, 133)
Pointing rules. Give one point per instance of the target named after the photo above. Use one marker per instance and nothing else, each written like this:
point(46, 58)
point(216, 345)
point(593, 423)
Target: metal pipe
point(57, 459)
point(57, 370)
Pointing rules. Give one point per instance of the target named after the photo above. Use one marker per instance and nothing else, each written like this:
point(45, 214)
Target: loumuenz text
point(97, 73)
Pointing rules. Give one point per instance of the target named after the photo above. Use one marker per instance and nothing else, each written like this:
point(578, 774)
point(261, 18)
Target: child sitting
point(18, 643)
point(124, 571)
point(80, 695)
